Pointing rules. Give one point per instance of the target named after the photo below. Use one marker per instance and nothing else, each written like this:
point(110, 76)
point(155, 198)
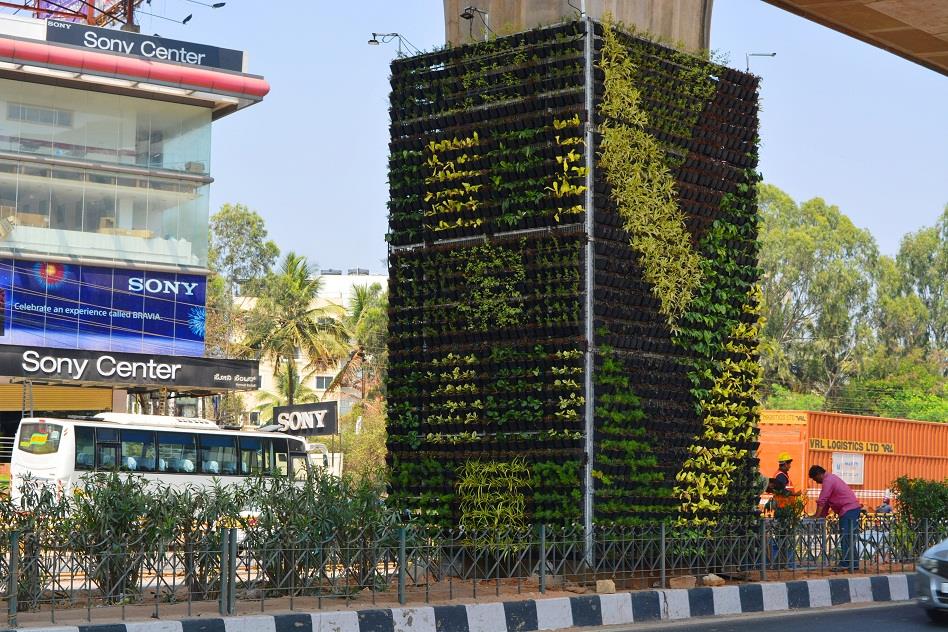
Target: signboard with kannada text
point(129, 369)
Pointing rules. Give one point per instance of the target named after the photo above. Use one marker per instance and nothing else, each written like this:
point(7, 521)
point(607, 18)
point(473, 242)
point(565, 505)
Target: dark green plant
point(920, 499)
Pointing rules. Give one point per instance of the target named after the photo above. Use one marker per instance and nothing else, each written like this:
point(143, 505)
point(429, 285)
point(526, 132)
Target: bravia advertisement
point(71, 306)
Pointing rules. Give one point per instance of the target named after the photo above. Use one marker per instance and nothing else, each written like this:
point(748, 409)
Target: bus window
point(85, 448)
point(138, 451)
point(218, 454)
point(251, 456)
point(106, 449)
point(40, 438)
point(298, 462)
point(274, 456)
point(177, 453)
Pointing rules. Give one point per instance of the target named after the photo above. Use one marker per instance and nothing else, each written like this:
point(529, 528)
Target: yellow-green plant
point(728, 420)
point(492, 502)
point(643, 187)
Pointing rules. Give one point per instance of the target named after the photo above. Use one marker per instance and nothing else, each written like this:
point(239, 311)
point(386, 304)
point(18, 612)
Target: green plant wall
point(490, 232)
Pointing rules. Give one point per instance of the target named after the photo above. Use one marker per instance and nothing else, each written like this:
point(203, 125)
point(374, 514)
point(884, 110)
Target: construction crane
point(94, 12)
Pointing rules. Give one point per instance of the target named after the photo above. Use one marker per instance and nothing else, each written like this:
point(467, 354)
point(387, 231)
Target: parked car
point(932, 582)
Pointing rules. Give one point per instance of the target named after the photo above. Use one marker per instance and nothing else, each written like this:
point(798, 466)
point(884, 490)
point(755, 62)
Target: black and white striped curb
point(554, 613)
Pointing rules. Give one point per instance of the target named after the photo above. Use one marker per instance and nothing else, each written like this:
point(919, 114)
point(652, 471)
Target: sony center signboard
point(72, 306)
point(148, 47)
point(321, 418)
point(128, 369)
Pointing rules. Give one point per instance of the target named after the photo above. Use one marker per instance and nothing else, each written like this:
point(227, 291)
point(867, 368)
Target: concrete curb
point(551, 614)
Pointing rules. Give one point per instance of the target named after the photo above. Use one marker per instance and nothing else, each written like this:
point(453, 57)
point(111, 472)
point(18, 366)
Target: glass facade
point(103, 128)
point(96, 207)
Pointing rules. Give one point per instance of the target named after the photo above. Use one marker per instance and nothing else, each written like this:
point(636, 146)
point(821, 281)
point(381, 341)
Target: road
point(899, 618)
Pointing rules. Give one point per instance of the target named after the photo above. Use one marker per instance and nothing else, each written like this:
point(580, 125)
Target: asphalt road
point(900, 618)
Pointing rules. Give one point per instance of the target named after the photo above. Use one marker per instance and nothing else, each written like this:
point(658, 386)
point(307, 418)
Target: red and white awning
point(71, 64)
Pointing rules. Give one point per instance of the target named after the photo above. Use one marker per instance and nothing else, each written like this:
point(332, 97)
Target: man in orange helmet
point(785, 498)
point(780, 485)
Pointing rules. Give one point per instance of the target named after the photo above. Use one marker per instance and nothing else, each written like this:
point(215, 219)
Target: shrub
point(921, 499)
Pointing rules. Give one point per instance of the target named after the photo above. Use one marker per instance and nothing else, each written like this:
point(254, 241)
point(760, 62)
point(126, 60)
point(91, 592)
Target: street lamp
point(385, 38)
point(468, 14)
point(747, 57)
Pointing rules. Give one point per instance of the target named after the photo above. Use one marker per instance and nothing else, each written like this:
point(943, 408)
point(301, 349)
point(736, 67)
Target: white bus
point(177, 451)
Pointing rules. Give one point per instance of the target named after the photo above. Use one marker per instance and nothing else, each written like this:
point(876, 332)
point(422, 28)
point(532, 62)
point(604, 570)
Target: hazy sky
point(861, 128)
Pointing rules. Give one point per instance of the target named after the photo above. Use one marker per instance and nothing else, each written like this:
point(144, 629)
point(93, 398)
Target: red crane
point(96, 12)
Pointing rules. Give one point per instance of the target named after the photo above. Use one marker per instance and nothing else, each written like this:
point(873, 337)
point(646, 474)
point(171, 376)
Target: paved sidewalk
point(550, 614)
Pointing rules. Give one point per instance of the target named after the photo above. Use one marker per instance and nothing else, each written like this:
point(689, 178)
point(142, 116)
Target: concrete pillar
point(687, 21)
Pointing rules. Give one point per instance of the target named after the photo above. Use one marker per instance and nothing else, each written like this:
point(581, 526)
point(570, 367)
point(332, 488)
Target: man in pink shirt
point(837, 495)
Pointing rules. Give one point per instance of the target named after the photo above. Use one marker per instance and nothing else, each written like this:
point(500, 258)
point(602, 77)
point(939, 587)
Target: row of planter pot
point(449, 94)
point(511, 116)
point(415, 352)
point(513, 63)
point(539, 331)
point(488, 229)
point(463, 109)
point(421, 63)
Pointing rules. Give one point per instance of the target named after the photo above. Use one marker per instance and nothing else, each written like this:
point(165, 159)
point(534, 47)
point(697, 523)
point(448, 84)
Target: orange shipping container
point(868, 452)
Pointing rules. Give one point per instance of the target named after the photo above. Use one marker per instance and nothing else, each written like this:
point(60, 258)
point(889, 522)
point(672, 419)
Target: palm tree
point(287, 325)
point(367, 321)
point(281, 396)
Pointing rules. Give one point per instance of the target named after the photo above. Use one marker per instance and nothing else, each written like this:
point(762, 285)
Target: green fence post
point(664, 553)
point(401, 566)
point(763, 550)
point(232, 574)
point(13, 580)
point(542, 558)
point(224, 599)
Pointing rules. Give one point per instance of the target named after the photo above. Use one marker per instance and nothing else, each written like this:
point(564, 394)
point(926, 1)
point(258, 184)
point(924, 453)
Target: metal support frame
point(589, 312)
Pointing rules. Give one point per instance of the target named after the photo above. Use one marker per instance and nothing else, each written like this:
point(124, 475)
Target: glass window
point(177, 452)
point(85, 448)
point(40, 438)
point(298, 465)
point(251, 456)
point(323, 382)
point(107, 456)
point(218, 454)
point(138, 451)
point(275, 457)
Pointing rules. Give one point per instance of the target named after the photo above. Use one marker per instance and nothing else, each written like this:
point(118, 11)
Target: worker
point(837, 495)
point(885, 507)
point(786, 514)
point(781, 486)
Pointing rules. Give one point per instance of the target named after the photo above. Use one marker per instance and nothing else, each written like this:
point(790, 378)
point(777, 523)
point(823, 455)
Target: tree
point(367, 321)
point(286, 379)
point(902, 320)
point(239, 250)
point(923, 258)
point(287, 324)
point(363, 443)
point(817, 280)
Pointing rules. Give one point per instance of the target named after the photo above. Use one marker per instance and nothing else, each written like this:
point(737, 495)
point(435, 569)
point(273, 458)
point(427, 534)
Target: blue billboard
point(71, 306)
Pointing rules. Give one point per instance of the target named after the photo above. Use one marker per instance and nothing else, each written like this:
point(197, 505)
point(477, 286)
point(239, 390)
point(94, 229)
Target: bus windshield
point(40, 438)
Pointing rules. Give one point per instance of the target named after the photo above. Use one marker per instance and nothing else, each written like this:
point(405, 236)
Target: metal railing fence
point(46, 577)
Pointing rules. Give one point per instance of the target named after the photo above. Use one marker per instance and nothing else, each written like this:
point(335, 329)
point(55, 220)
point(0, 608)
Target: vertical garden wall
point(519, 383)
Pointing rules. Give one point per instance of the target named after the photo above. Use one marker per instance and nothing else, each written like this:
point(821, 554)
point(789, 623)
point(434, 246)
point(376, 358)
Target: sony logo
point(60, 25)
point(301, 420)
point(157, 286)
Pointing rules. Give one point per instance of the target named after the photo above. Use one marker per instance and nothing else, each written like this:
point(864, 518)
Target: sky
point(861, 128)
